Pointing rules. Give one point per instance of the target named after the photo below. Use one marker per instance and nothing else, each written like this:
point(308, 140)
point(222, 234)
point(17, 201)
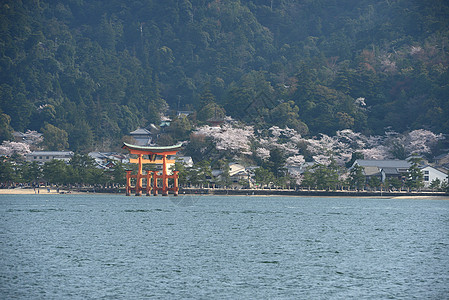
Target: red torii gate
point(152, 152)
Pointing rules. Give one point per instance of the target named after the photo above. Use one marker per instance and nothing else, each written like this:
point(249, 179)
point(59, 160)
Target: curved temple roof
point(153, 149)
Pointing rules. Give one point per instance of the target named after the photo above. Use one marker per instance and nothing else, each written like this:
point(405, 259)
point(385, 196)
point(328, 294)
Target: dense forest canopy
point(95, 70)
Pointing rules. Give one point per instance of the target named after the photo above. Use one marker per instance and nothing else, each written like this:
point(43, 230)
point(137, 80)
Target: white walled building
point(44, 156)
point(430, 174)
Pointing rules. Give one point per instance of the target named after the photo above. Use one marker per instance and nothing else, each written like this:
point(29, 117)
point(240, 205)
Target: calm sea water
point(117, 247)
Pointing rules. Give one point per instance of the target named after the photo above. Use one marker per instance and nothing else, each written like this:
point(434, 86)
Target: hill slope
point(95, 70)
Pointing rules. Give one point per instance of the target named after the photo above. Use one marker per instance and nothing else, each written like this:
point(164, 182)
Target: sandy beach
point(44, 191)
point(422, 197)
point(29, 191)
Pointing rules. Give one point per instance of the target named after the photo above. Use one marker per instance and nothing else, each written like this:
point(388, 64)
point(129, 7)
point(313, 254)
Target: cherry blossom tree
point(240, 139)
point(262, 153)
point(421, 141)
point(229, 137)
point(8, 148)
point(296, 160)
point(32, 137)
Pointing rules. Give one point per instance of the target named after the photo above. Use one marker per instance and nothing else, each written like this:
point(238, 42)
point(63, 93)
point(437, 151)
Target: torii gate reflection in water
point(153, 176)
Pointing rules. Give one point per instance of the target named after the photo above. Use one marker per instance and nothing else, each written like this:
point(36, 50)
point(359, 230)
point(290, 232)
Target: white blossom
point(420, 141)
point(360, 101)
point(8, 148)
point(228, 137)
point(415, 50)
point(322, 159)
point(237, 138)
point(379, 153)
point(263, 153)
point(32, 137)
point(276, 131)
point(296, 175)
point(295, 161)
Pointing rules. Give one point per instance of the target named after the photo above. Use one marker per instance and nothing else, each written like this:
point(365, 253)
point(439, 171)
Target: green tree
point(44, 114)
point(180, 128)
point(435, 184)
point(7, 172)
point(165, 139)
point(225, 178)
point(263, 176)
point(56, 172)
point(398, 150)
point(16, 104)
point(357, 177)
point(445, 185)
point(276, 162)
point(374, 182)
point(80, 136)
point(393, 182)
point(97, 176)
point(286, 114)
point(5, 128)
point(84, 169)
point(30, 172)
point(206, 97)
point(55, 138)
point(320, 177)
point(118, 174)
point(200, 173)
point(415, 175)
point(211, 111)
point(182, 175)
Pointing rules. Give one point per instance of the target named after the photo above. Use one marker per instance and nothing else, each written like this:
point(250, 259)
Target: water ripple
point(114, 247)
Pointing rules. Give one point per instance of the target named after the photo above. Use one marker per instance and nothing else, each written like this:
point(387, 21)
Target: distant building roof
point(153, 127)
point(216, 173)
point(50, 153)
point(140, 131)
point(444, 155)
point(184, 112)
point(370, 171)
point(18, 134)
point(383, 163)
point(391, 171)
point(44, 156)
point(142, 136)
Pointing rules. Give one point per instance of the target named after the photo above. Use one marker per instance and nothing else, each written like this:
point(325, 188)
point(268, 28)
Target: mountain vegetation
point(86, 73)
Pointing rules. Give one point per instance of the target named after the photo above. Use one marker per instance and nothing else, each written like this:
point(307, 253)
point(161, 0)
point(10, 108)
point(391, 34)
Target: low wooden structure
point(152, 177)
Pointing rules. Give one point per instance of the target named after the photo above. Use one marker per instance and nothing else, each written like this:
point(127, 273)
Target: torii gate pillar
point(152, 153)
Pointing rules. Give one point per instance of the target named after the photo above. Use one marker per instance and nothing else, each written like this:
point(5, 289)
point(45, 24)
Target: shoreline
point(255, 192)
point(40, 191)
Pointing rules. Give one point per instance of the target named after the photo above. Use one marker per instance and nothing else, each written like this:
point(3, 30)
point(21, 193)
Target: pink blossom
point(8, 148)
point(263, 153)
point(229, 137)
point(32, 137)
point(322, 159)
point(420, 141)
point(296, 160)
point(379, 152)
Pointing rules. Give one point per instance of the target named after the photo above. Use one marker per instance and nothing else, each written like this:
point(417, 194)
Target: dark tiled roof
point(391, 171)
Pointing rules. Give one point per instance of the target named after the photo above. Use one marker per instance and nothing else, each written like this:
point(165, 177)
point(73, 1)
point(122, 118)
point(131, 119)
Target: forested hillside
point(95, 70)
